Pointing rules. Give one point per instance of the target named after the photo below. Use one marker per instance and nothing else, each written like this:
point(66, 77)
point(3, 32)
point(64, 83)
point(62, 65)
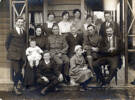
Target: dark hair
point(32, 39)
point(19, 17)
point(65, 12)
point(110, 27)
point(107, 12)
point(46, 51)
point(55, 24)
point(91, 25)
point(51, 13)
point(38, 26)
point(89, 16)
point(76, 10)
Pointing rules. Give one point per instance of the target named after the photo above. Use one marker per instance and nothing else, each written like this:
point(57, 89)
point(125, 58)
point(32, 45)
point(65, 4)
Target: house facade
point(37, 10)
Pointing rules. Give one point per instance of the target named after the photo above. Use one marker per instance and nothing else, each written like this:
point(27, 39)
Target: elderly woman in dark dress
point(79, 72)
point(30, 76)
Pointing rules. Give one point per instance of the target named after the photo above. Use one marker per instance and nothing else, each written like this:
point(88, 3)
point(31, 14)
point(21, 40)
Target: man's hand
point(45, 79)
point(111, 49)
point(85, 67)
point(59, 54)
point(60, 78)
point(94, 49)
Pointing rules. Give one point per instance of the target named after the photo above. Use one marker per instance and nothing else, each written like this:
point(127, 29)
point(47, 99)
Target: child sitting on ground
point(33, 53)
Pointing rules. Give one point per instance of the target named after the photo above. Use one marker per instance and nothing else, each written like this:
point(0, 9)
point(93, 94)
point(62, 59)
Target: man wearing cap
point(58, 48)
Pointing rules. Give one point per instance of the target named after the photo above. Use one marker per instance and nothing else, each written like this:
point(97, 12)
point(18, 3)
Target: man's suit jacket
point(16, 45)
point(113, 24)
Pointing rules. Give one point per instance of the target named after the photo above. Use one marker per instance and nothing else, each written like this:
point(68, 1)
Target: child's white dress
point(34, 53)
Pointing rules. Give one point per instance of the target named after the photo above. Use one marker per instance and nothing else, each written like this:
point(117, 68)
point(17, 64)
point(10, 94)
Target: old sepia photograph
point(67, 49)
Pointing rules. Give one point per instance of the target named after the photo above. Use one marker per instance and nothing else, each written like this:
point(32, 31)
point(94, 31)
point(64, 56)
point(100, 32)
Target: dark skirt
point(29, 76)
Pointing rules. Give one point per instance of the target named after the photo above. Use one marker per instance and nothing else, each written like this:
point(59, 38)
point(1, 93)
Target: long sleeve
point(65, 46)
point(73, 67)
point(8, 41)
point(86, 44)
point(55, 68)
point(39, 50)
point(27, 51)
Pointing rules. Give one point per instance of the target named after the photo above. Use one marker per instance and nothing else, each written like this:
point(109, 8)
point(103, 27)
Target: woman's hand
point(60, 78)
point(45, 79)
point(94, 49)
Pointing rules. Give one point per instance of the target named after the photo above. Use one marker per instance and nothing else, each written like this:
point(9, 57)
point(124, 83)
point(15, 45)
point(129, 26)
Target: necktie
point(21, 31)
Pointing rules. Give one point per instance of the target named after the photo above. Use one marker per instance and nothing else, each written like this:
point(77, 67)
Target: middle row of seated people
point(75, 63)
point(99, 51)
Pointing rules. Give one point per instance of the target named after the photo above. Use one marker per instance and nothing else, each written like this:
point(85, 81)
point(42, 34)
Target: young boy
point(48, 74)
point(33, 53)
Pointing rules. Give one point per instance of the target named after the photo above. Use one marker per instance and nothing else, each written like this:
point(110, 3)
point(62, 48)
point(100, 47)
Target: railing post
point(126, 40)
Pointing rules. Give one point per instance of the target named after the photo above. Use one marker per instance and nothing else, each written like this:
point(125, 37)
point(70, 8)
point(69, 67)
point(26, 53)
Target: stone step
point(3, 36)
point(4, 26)
point(7, 64)
point(5, 20)
point(3, 54)
point(3, 60)
point(2, 44)
point(4, 14)
point(2, 49)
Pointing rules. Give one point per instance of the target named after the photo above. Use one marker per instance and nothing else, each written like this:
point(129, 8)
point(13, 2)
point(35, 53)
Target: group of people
point(68, 51)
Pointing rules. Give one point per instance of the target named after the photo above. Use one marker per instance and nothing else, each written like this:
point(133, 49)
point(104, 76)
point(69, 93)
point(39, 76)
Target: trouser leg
point(113, 62)
point(97, 69)
point(17, 72)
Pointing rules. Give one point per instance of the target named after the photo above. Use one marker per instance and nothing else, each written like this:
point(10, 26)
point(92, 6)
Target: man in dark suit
point(15, 45)
point(48, 74)
point(109, 23)
point(110, 52)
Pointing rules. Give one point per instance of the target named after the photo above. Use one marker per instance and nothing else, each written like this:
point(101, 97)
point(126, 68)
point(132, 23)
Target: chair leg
point(116, 78)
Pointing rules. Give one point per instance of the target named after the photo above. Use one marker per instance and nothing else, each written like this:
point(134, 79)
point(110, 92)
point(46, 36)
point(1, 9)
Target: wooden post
point(11, 18)
point(126, 40)
point(27, 20)
point(82, 11)
point(45, 10)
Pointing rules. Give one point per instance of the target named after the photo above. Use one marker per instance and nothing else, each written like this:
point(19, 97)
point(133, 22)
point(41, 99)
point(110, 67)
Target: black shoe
point(133, 82)
point(44, 91)
point(17, 91)
point(102, 84)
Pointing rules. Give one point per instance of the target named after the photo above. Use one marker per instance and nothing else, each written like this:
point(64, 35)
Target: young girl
point(79, 71)
point(33, 53)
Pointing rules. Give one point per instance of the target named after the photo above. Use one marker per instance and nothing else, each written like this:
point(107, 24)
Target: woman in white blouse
point(47, 27)
point(89, 20)
point(76, 22)
point(65, 24)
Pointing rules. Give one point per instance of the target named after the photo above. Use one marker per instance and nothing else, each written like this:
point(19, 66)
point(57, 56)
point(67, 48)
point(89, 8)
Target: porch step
point(4, 26)
point(4, 14)
point(4, 20)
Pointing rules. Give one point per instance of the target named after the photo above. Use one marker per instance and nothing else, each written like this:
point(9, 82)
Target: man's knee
point(65, 59)
point(58, 60)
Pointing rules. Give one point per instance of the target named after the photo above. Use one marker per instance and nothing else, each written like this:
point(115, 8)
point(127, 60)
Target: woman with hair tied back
point(76, 22)
point(47, 26)
point(65, 24)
